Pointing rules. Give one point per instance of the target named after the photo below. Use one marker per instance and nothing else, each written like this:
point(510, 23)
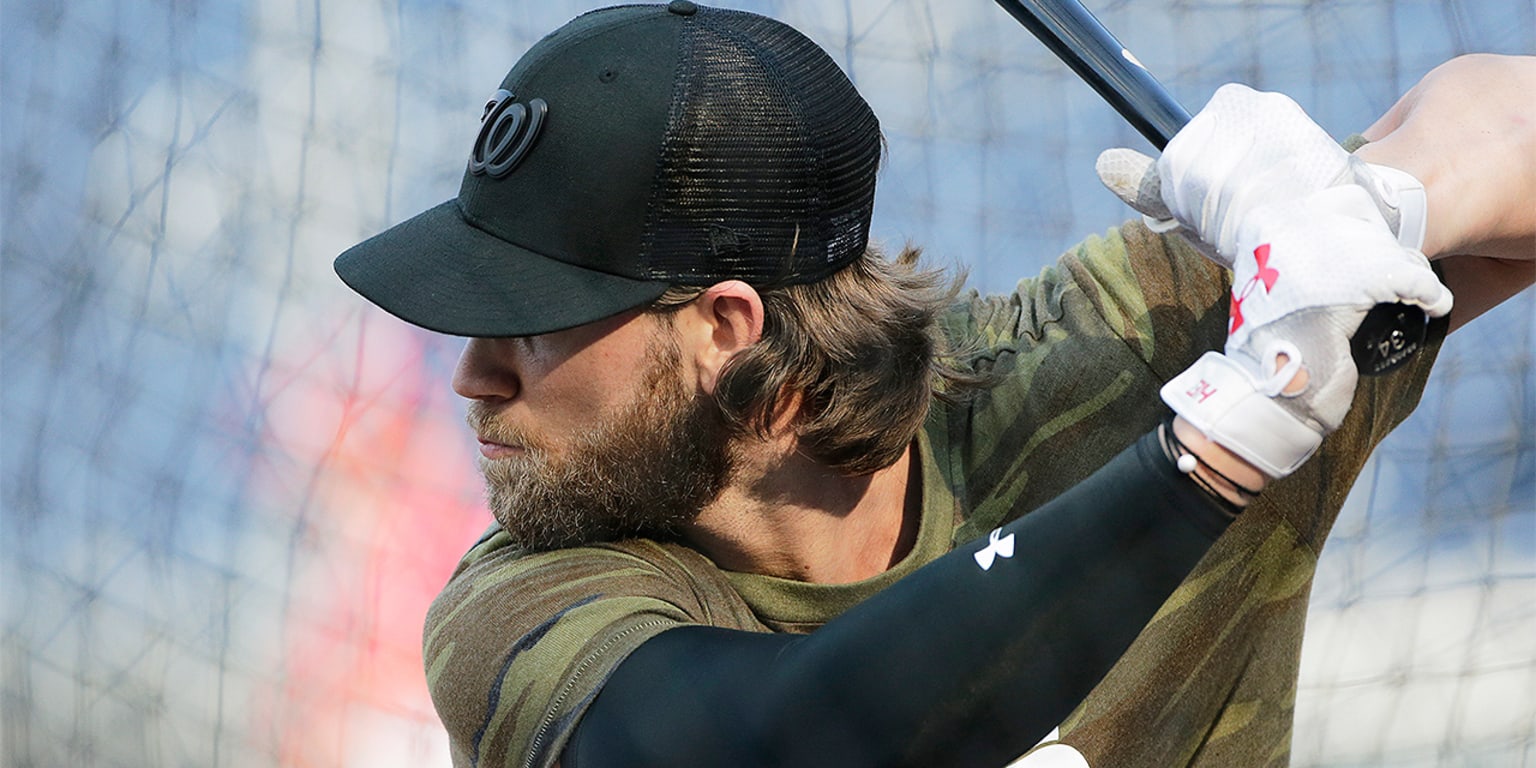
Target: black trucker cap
point(633, 149)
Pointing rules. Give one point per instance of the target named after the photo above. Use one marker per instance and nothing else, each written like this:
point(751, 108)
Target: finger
point(1419, 286)
point(1216, 159)
point(1133, 178)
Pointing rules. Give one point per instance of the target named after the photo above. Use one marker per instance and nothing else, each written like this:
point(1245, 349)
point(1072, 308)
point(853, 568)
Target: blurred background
point(231, 488)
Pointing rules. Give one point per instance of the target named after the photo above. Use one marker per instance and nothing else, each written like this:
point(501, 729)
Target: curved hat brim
point(438, 271)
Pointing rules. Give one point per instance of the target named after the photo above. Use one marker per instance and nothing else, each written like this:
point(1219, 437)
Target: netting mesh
point(230, 488)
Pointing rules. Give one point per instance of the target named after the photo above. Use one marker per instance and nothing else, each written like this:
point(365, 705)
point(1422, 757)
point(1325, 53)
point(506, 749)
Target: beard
point(646, 471)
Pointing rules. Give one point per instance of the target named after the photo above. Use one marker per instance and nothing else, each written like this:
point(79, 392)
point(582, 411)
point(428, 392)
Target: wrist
point(1215, 468)
point(1225, 404)
point(1421, 166)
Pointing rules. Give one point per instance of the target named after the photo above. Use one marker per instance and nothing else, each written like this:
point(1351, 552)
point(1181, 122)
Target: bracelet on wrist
point(1188, 462)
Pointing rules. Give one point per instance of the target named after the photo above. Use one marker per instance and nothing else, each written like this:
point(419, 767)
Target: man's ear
point(725, 319)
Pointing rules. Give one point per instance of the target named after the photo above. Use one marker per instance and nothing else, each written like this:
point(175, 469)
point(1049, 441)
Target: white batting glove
point(1248, 149)
point(1309, 271)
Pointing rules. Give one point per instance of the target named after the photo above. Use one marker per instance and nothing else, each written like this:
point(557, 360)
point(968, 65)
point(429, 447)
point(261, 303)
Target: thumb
point(1133, 178)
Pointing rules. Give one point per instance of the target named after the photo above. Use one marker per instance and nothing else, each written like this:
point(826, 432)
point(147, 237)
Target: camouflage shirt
point(518, 644)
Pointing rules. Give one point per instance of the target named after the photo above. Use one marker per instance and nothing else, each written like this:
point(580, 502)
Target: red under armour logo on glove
point(1266, 275)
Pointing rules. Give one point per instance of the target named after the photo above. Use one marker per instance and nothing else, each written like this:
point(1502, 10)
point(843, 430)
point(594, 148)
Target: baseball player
point(765, 496)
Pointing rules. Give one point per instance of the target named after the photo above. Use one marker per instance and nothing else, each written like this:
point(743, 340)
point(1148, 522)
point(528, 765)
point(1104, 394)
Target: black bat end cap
point(1389, 336)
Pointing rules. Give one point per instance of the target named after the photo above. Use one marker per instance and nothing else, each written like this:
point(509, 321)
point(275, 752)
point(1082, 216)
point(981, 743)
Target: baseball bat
point(1389, 335)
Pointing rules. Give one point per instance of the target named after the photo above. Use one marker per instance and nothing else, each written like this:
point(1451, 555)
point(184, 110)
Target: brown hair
point(861, 350)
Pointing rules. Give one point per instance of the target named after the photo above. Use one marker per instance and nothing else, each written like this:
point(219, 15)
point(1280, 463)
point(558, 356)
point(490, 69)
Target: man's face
point(592, 434)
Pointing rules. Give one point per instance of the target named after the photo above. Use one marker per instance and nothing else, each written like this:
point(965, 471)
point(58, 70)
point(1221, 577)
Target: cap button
point(682, 7)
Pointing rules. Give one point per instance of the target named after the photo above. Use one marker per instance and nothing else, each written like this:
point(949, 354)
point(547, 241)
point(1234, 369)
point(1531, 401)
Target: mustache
point(482, 420)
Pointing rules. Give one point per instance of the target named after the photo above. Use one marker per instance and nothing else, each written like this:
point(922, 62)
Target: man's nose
point(486, 371)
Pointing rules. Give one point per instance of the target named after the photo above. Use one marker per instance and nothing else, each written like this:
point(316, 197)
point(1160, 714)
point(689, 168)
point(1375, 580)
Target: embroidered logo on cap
point(724, 241)
point(508, 129)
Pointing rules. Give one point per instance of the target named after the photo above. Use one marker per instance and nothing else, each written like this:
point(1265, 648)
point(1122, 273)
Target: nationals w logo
point(508, 129)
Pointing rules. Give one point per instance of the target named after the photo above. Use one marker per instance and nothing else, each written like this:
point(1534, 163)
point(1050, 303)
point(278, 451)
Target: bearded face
point(645, 470)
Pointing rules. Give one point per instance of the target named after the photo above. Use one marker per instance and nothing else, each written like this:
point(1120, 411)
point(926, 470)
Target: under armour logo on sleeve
point(1052, 753)
point(997, 546)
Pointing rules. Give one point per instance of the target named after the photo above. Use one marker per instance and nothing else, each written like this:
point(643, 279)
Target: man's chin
point(539, 531)
point(646, 472)
point(505, 470)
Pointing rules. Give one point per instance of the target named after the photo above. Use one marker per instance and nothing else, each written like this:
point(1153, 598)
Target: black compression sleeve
point(953, 665)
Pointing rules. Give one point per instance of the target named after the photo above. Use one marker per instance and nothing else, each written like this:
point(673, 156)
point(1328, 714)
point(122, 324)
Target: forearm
point(1466, 131)
point(1459, 226)
point(968, 661)
point(1480, 283)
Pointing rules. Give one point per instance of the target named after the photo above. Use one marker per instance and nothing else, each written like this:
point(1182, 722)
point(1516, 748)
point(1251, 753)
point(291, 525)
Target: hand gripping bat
point(1389, 335)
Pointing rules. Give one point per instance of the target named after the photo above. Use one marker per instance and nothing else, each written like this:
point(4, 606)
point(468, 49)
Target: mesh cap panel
point(767, 173)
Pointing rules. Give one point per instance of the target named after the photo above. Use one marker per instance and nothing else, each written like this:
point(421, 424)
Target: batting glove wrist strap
point(1228, 405)
point(1401, 198)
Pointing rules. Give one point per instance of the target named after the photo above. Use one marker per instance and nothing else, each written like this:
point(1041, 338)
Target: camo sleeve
point(1081, 351)
point(1078, 354)
point(1214, 674)
point(517, 644)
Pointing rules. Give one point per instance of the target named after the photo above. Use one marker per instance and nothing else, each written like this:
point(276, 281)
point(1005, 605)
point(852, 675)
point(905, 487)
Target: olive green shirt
point(518, 644)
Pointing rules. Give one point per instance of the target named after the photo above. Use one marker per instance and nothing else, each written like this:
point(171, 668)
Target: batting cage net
point(231, 488)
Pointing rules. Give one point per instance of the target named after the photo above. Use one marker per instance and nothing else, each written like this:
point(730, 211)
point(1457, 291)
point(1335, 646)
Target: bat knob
point(1389, 336)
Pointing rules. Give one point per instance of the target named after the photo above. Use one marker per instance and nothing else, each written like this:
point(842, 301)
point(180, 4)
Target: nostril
point(483, 373)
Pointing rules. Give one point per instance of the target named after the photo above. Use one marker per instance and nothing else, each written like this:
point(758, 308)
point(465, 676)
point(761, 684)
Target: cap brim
point(438, 271)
